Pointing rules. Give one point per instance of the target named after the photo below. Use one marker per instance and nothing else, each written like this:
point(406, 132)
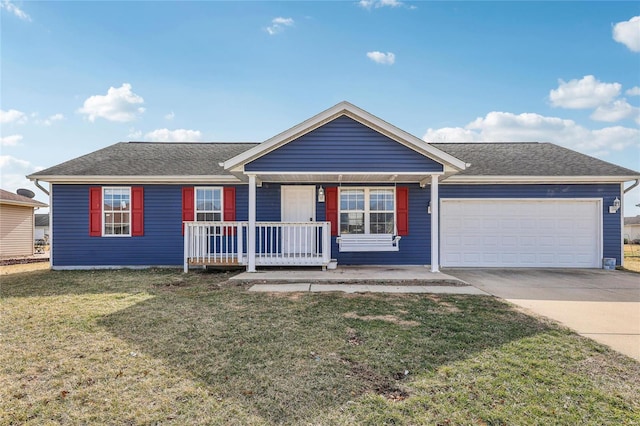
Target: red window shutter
point(188, 205)
point(229, 204)
point(402, 210)
point(137, 211)
point(229, 201)
point(95, 211)
point(331, 208)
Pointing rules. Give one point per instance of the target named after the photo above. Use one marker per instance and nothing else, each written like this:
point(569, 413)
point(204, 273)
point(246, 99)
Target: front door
point(298, 205)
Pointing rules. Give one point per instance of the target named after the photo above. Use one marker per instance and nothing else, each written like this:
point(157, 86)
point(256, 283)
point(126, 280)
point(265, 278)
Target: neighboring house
point(632, 228)
point(17, 224)
point(42, 226)
point(342, 185)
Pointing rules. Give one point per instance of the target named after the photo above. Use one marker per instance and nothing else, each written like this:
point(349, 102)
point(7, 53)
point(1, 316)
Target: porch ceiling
point(344, 178)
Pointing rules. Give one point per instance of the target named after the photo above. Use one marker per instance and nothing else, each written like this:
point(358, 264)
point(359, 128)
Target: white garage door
point(520, 233)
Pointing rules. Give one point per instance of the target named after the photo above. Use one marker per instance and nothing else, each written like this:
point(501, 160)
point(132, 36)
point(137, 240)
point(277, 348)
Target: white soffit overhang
point(236, 164)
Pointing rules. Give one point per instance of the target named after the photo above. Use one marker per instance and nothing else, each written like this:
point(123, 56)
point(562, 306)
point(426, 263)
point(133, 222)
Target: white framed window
point(116, 211)
point(208, 204)
point(367, 210)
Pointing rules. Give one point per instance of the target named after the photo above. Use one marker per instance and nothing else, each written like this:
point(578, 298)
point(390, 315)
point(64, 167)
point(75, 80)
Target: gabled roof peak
point(358, 114)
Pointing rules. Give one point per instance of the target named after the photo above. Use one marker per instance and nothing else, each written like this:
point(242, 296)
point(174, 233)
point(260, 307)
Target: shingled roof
point(528, 159)
point(7, 197)
point(150, 159)
point(203, 159)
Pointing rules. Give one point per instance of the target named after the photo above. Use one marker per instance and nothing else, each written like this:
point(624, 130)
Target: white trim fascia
point(359, 115)
point(347, 173)
point(137, 179)
point(520, 199)
point(24, 204)
point(536, 179)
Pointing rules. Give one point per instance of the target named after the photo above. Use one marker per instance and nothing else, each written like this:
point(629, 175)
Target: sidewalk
point(364, 288)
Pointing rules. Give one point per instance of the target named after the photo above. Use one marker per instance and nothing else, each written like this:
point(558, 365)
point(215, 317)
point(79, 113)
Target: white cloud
point(178, 135)
point(628, 33)
point(278, 25)
point(382, 58)
point(119, 104)
point(12, 116)
point(11, 140)
point(530, 127)
point(12, 8)
point(634, 91)
point(368, 4)
point(52, 119)
point(169, 116)
point(134, 135)
point(585, 93)
point(13, 173)
point(616, 111)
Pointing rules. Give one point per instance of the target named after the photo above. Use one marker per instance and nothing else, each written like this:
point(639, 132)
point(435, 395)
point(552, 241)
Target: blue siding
point(344, 145)
point(608, 192)
point(162, 243)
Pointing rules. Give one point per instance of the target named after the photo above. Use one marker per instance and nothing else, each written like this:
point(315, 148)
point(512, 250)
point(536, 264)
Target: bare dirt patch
point(23, 267)
point(388, 318)
point(445, 306)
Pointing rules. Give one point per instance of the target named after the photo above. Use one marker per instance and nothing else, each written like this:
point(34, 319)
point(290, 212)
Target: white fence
point(276, 243)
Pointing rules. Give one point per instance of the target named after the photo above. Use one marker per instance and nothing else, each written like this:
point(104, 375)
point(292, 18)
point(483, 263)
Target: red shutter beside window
point(402, 210)
point(229, 206)
point(188, 205)
point(331, 208)
point(137, 211)
point(229, 214)
point(95, 211)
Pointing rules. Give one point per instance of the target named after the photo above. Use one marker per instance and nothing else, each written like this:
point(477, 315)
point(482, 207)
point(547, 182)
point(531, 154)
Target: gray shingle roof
point(632, 220)
point(150, 159)
point(528, 159)
point(202, 159)
point(7, 197)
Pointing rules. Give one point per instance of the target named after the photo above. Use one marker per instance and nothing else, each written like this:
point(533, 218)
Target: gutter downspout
point(46, 191)
point(626, 190)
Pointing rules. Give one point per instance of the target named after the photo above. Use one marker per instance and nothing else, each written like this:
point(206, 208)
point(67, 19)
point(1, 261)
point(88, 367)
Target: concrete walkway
point(350, 274)
point(601, 305)
point(363, 288)
point(357, 279)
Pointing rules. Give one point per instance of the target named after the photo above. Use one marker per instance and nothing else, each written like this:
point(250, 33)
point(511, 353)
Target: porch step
point(230, 261)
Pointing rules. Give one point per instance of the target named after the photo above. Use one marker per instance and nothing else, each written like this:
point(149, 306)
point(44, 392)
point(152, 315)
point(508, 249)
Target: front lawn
point(151, 347)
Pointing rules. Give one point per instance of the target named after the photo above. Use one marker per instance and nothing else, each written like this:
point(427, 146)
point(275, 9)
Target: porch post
point(435, 243)
point(251, 231)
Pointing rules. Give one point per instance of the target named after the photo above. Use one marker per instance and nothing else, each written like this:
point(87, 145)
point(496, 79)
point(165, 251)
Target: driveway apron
point(602, 305)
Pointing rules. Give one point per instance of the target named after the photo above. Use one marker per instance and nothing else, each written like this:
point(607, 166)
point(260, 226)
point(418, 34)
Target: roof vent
point(26, 192)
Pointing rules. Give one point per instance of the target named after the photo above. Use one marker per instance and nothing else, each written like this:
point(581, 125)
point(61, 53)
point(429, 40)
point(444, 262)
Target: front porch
point(273, 244)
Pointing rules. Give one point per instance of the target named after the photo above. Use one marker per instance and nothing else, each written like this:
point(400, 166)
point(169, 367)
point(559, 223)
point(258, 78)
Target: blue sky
point(79, 76)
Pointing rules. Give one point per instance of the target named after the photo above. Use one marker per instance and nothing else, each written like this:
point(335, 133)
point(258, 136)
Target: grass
point(150, 347)
point(632, 257)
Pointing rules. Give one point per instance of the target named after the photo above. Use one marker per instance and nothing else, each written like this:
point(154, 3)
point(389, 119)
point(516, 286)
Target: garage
point(521, 233)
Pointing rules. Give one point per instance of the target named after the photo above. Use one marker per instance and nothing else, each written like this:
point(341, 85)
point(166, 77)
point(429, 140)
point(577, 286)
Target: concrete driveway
point(602, 305)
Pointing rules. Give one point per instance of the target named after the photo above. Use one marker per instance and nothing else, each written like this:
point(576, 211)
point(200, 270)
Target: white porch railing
point(276, 243)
